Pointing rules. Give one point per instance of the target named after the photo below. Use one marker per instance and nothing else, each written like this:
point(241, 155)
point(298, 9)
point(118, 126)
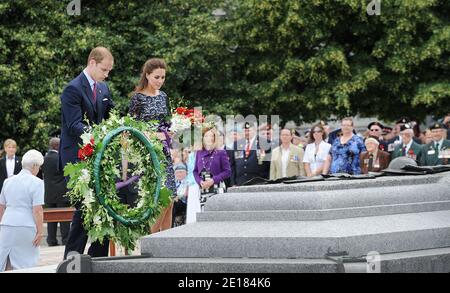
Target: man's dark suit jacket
point(76, 103)
point(4, 173)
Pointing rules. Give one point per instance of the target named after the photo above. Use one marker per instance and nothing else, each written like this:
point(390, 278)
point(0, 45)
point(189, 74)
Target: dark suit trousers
point(78, 238)
point(52, 227)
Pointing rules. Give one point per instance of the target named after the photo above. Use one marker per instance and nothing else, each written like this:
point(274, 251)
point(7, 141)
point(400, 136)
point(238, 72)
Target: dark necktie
point(404, 150)
point(94, 92)
point(370, 161)
point(437, 149)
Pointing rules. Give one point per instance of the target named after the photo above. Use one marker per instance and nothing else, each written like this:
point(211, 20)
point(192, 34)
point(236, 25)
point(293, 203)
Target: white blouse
point(316, 161)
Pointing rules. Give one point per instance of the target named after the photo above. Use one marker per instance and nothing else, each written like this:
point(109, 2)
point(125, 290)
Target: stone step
point(213, 265)
point(346, 184)
point(419, 261)
point(302, 239)
point(323, 214)
point(328, 199)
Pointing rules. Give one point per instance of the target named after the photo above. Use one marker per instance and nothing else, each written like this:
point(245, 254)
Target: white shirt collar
point(13, 158)
point(439, 142)
point(89, 78)
point(408, 146)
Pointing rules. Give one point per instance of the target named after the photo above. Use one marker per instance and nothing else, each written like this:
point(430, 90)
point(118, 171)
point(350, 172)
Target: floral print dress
point(147, 108)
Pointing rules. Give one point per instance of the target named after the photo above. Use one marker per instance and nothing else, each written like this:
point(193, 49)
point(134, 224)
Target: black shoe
point(53, 244)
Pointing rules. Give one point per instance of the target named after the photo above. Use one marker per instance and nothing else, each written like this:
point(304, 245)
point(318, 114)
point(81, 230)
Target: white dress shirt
point(284, 160)
point(10, 165)
point(89, 78)
point(408, 146)
point(316, 161)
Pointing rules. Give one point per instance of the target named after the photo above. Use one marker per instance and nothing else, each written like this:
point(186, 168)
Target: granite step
point(213, 265)
point(302, 239)
point(323, 214)
point(418, 261)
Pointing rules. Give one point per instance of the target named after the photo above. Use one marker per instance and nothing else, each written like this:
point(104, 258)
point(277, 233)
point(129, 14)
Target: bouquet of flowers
point(184, 121)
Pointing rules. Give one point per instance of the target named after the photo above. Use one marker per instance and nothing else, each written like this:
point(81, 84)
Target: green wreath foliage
point(106, 145)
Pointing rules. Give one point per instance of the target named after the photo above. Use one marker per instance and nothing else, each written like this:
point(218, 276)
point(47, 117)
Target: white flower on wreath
point(179, 123)
point(86, 137)
point(89, 198)
point(97, 220)
point(85, 176)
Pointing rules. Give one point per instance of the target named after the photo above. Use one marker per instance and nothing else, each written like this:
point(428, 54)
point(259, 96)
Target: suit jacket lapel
point(16, 166)
point(3, 166)
point(99, 107)
point(88, 91)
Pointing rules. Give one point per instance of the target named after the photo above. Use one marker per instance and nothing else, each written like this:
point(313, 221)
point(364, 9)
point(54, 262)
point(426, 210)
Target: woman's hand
point(161, 135)
point(207, 184)
point(37, 239)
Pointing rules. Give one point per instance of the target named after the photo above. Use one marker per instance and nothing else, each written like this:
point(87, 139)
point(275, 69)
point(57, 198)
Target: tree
point(303, 60)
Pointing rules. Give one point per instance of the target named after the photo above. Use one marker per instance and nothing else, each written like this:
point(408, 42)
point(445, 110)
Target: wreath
point(95, 179)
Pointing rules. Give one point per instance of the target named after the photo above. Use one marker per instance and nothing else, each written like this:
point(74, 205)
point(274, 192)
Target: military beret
point(375, 123)
point(249, 125)
point(405, 127)
point(403, 120)
point(437, 125)
point(296, 133)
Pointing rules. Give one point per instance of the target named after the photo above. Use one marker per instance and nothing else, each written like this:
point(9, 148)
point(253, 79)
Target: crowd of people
point(249, 154)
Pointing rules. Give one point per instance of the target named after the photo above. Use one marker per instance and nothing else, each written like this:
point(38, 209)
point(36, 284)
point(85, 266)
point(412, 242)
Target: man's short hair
point(99, 53)
point(54, 143)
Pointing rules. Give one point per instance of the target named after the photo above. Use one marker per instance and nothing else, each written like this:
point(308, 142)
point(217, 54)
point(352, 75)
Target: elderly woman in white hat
point(21, 215)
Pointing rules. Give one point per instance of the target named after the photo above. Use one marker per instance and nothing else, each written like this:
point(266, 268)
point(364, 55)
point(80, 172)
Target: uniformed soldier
point(438, 151)
point(376, 130)
point(248, 158)
point(408, 148)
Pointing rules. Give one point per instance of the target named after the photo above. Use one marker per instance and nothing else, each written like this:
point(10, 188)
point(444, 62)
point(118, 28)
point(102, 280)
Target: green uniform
point(429, 156)
point(413, 152)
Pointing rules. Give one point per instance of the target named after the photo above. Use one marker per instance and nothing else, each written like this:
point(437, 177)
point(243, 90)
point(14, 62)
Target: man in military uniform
point(394, 139)
point(438, 151)
point(376, 130)
point(248, 158)
point(408, 148)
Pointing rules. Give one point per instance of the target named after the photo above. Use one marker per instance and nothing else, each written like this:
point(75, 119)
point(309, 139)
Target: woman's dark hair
point(148, 68)
point(311, 133)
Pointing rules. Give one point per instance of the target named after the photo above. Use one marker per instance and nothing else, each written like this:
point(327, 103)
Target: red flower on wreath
point(86, 151)
point(181, 110)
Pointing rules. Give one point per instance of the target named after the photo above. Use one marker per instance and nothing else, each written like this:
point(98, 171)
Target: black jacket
point(243, 169)
point(4, 173)
point(54, 182)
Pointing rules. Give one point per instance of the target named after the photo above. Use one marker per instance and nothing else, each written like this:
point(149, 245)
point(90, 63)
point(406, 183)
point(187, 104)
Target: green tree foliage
point(302, 60)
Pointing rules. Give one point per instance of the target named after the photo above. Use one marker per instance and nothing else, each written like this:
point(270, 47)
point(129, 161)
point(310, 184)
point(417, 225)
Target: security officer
point(438, 151)
point(408, 148)
point(248, 158)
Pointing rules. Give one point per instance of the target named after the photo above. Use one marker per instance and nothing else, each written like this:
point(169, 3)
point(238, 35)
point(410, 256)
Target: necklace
point(207, 165)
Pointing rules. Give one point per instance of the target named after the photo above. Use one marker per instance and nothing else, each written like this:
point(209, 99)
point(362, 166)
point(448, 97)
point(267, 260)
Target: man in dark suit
point(55, 190)
point(248, 158)
point(85, 96)
point(10, 164)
